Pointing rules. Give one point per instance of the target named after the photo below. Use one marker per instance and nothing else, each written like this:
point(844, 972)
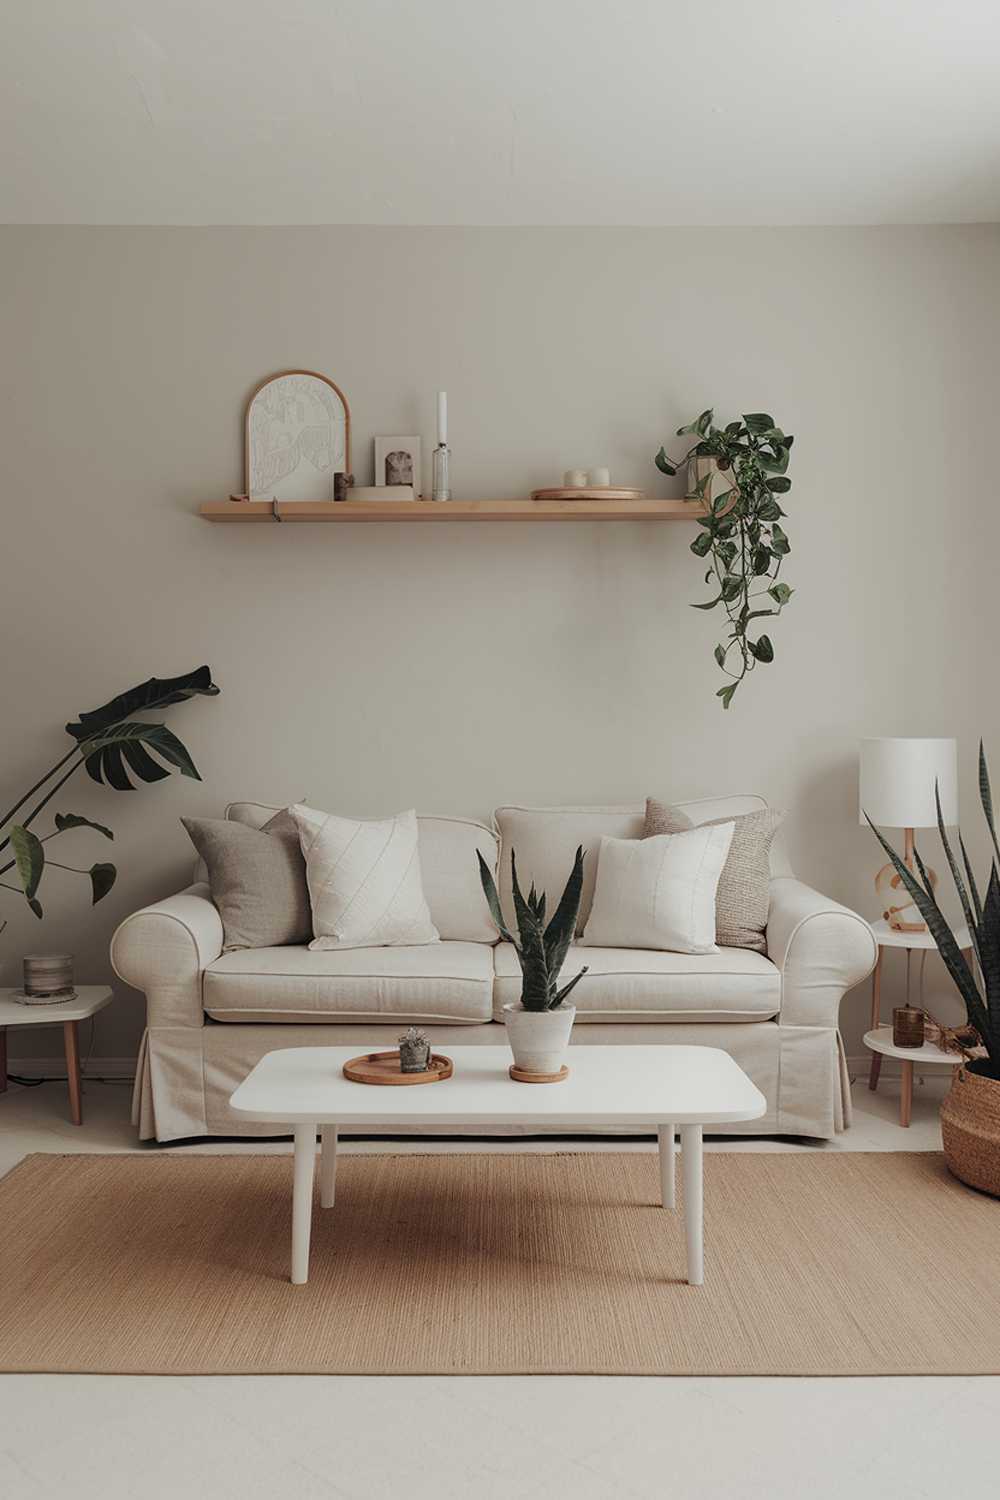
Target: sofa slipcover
point(424, 984)
point(629, 984)
point(777, 1016)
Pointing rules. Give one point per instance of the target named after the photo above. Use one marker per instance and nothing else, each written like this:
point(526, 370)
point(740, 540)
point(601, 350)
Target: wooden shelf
point(450, 510)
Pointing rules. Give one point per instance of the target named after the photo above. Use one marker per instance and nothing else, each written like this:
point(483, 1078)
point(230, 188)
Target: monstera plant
point(118, 750)
point(741, 535)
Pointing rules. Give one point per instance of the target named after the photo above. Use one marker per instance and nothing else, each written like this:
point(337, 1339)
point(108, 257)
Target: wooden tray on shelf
point(383, 1068)
point(607, 492)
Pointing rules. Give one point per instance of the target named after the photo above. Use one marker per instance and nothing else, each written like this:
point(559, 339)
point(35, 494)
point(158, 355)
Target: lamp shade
point(897, 782)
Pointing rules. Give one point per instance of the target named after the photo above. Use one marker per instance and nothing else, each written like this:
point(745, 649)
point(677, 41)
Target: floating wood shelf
point(450, 510)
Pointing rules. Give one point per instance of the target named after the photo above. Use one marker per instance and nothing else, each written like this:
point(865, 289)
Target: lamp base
point(895, 904)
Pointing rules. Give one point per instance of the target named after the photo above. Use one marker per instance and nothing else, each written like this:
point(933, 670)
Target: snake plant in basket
point(970, 1115)
point(538, 1026)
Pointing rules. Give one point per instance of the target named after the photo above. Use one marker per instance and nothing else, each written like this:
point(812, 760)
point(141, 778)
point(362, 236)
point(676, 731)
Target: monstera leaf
point(158, 692)
point(125, 744)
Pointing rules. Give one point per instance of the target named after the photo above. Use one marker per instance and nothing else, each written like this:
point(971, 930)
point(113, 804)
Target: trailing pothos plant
point(110, 743)
point(741, 532)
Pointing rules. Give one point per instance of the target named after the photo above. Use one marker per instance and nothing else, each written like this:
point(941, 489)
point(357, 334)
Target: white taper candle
point(442, 416)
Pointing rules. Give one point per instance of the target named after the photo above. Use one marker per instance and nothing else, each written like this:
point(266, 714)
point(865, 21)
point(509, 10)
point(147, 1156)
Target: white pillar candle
point(442, 416)
point(600, 479)
point(575, 479)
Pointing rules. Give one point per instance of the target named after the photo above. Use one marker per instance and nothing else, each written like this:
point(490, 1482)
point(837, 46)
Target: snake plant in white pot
point(539, 1024)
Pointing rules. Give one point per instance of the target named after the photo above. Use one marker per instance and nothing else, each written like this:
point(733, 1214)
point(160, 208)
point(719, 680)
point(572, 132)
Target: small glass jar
point(907, 1026)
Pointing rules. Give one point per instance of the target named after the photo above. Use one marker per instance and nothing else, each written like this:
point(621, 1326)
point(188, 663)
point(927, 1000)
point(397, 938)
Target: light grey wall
point(374, 668)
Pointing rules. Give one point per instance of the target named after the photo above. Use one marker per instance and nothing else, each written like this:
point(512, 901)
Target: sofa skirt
point(186, 1074)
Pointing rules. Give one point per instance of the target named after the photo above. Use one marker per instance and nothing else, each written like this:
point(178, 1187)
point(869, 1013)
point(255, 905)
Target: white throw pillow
point(659, 892)
point(364, 880)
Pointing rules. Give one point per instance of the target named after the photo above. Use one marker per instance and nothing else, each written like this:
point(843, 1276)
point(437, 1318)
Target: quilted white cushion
point(364, 880)
point(659, 892)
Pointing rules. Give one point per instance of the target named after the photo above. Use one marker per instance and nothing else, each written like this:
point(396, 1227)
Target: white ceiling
point(499, 111)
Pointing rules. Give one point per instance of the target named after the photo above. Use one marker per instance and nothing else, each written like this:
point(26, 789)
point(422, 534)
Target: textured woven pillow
point(364, 880)
point(258, 880)
point(743, 897)
point(658, 892)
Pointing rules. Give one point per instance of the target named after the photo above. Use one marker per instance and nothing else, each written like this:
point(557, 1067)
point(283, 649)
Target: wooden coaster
point(520, 1076)
point(383, 1067)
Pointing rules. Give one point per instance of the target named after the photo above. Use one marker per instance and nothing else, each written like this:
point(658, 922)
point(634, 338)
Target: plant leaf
point(732, 588)
point(776, 464)
point(986, 798)
point(779, 542)
point(726, 693)
point(103, 754)
point(758, 422)
point(73, 820)
point(158, 692)
point(36, 907)
point(102, 878)
point(702, 544)
point(492, 899)
point(663, 463)
point(780, 593)
point(29, 857)
point(710, 604)
point(699, 426)
point(560, 995)
point(779, 485)
point(956, 876)
point(761, 648)
point(562, 928)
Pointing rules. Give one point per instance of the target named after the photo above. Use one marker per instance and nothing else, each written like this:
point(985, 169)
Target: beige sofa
point(212, 1015)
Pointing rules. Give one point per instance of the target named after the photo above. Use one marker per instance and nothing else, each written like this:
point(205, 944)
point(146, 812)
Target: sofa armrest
point(821, 948)
point(164, 949)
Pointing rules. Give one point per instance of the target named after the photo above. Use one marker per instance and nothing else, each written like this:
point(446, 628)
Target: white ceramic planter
point(539, 1038)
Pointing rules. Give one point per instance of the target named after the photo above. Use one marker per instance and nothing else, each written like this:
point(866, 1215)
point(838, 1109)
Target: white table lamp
point(897, 782)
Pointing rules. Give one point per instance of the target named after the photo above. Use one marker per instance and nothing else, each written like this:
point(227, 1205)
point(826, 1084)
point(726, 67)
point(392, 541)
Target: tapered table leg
point(906, 1094)
point(691, 1167)
point(302, 1193)
point(665, 1137)
point(71, 1039)
point(328, 1166)
point(876, 1062)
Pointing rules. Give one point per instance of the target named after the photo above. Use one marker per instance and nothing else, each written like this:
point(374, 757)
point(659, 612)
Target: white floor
point(582, 1438)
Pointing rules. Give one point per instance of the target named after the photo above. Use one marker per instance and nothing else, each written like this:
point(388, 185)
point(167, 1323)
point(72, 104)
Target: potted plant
point(737, 472)
point(414, 1051)
point(970, 1115)
point(539, 1024)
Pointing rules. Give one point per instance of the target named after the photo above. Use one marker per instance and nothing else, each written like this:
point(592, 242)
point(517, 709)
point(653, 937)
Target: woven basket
point(970, 1130)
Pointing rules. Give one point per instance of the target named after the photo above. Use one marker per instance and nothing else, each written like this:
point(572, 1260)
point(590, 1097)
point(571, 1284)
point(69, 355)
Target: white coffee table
point(659, 1088)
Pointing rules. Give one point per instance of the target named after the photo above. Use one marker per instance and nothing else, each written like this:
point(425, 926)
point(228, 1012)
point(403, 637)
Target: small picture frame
point(399, 460)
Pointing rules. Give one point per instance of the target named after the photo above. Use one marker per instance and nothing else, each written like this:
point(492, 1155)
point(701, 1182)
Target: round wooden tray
point(519, 1076)
point(608, 492)
point(383, 1067)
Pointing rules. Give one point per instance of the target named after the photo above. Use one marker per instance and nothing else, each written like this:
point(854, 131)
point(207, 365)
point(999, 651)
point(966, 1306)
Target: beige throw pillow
point(258, 880)
point(659, 892)
point(364, 880)
point(743, 896)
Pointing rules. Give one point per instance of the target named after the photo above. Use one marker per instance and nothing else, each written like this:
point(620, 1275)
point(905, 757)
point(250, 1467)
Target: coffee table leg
point(691, 1166)
point(328, 1166)
point(665, 1137)
point(302, 1194)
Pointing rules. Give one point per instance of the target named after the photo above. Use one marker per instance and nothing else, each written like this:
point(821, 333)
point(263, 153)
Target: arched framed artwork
point(298, 436)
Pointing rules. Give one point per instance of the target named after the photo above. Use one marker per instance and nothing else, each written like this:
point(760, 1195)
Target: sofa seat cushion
point(426, 983)
point(637, 984)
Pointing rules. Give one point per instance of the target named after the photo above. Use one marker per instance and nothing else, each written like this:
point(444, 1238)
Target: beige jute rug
point(836, 1264)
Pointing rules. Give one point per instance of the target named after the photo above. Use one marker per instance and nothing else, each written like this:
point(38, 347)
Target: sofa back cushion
point(545, 840)
point(448, 869)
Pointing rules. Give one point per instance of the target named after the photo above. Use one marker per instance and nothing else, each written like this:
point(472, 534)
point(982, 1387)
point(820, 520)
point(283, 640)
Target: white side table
point(90, 998)
point(879, 1039)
